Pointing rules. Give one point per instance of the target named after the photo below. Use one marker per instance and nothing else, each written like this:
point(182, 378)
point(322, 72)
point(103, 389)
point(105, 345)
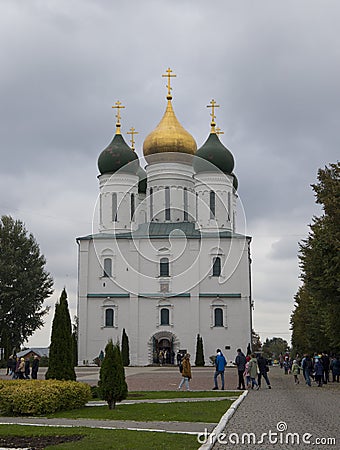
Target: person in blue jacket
point(220, 363)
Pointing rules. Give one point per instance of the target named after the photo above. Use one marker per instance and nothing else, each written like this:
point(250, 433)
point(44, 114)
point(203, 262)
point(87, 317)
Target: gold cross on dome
point(219, 131)
point(169, 74)
point(132, 140)
point(119, 106)
point(213, 105)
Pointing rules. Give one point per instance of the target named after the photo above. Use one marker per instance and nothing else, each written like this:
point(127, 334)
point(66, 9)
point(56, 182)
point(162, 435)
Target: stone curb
point(222, 423)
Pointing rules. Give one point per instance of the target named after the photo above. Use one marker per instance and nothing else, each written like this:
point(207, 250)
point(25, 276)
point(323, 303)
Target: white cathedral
point(166, 262)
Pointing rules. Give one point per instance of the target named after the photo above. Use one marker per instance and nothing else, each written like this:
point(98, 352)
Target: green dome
point(216, 153)
point(142, 180)
point(235, 181)
point(117, 155)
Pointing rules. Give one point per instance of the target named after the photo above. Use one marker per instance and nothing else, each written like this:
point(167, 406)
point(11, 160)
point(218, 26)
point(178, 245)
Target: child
point(246, 373)
point(296, 371)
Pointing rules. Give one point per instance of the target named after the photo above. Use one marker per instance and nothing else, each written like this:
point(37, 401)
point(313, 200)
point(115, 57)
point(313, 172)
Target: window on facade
point(114, 207)
point(167, 203)
point(132, 201)
point(107, 267)
point(212, 205)
point(151, 203)
point(218, 317)
point(164, 267)
point(109, 315)
point(216, 272)
point(165, 316)
point(185, 202)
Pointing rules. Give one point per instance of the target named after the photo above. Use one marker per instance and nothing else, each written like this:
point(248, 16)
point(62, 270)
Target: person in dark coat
point(336, 369)
point(27, 368)
point(318, 369)
point(262, 364)
point(35, 367)
point(325, 361)
point(240, 362)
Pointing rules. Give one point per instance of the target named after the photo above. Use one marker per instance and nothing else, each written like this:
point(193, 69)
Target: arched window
point(218, 317)
point(212, 205)
point(114, 207)
point(216, 272)
point(109, 315)
point(132, 201)
point(107, 267)
point(185, 204)
point(167, 203)
point(164, 267)
point(165, 316)
point(151, 204)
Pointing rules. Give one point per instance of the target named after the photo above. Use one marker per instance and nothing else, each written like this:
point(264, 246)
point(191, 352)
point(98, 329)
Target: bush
point(37, 397)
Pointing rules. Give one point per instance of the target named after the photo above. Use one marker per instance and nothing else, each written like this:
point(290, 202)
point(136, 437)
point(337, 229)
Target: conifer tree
point(199, 360)
point(125, 349)
point(61, 356)
point(112, 384)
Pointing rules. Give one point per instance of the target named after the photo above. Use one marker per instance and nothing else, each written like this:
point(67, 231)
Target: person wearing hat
point(186, 372)
point(318, 369)
point(296, 371)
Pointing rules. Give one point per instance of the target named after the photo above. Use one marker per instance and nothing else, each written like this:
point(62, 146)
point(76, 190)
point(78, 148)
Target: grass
point(107, 439)
point(209, 412)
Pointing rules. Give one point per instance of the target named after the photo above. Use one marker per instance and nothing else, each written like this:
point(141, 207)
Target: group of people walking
point(317, 368)
point(251, 370)
point(20, 368)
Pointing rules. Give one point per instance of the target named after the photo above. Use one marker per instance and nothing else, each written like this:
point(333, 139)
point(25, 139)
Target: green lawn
point(209, 412)
point(107, 439)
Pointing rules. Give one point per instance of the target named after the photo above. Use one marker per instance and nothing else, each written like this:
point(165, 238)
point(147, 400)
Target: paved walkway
point(312, 413)
point(290, 408)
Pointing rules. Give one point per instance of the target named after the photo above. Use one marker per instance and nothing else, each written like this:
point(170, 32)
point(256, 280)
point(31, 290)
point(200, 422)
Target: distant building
point(34, 351)
point(166, 263)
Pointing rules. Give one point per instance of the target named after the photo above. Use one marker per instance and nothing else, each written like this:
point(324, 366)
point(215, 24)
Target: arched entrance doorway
point(163, 346)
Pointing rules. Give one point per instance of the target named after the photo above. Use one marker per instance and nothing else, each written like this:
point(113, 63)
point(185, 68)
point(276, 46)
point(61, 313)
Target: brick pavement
point(303, 409)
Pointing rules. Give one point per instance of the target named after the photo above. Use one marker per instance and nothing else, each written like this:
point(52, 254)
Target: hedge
point(37, 397)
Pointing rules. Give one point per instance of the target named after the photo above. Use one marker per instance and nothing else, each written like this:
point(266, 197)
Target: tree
point(315, 320)
point(24, 285)
point(125, 349)
point(112, 384)
point(61, 356)
point(199, 360)
point(75, 341)
point(273, 347)
point(256, 342)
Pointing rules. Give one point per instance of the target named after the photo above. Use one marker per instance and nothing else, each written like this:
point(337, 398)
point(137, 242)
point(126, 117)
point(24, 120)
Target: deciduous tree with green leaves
point(315, 320)
point(112, 384)
point(24, 285)
point(273, 347)
point(61, 355)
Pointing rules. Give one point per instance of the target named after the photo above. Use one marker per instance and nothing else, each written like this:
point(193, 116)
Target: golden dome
point(169, 136)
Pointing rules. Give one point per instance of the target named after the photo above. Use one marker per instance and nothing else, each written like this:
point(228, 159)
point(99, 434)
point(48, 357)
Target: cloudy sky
point(273, 66)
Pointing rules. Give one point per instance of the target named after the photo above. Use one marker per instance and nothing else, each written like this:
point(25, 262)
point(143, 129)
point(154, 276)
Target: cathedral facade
point(166, 262)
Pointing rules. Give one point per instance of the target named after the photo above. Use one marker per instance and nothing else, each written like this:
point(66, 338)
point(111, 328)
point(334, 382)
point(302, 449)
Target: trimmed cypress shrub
point(112, 384)
point(61, 356)
point(199, 360)
point(125, 349)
